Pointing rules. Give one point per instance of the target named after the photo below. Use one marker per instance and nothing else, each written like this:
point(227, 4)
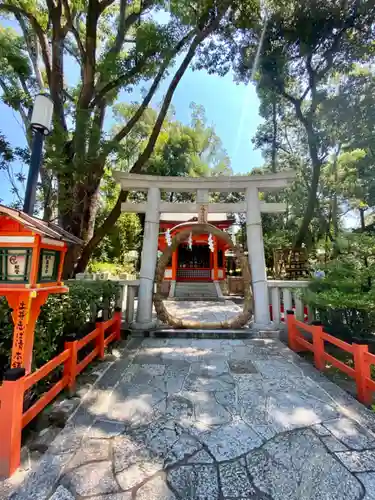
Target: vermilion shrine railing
point(362, 359)
point(12, 417)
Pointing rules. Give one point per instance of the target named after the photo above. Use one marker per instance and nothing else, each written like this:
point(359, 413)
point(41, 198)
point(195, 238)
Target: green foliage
point(345, 297)
point(62, 314)
point(110, 267)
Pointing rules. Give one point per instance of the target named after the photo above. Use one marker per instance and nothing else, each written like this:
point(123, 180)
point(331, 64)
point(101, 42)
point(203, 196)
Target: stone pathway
point(204, 311)
point(197, 419)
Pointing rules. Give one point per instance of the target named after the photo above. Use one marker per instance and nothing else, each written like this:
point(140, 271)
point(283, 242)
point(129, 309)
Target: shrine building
point(193, 260)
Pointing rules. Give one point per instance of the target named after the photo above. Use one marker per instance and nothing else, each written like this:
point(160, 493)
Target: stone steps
point(244, 333)
point(195, 291)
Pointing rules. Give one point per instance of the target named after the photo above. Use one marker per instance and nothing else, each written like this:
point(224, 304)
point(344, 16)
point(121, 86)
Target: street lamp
point(41, 124)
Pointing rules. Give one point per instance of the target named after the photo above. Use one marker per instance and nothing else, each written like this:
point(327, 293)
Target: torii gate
point(252, 206)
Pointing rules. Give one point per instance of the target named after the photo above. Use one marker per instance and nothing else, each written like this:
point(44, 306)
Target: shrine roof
point(185, 217)
point(40, 226)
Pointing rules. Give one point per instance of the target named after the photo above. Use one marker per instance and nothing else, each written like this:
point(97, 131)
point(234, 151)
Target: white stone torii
point(252, 206)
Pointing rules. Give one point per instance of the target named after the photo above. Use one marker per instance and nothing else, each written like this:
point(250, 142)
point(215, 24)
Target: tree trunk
point(143, 158)
point(274, 136)
point(98, 235)
point(316, 167)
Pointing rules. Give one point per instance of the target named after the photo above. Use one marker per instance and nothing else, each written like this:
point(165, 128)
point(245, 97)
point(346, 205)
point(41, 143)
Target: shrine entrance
point(251, 205)
point(187, 231)
point(194, 263)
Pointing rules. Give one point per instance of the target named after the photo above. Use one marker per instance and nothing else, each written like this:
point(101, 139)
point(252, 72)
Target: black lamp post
point(41, 122)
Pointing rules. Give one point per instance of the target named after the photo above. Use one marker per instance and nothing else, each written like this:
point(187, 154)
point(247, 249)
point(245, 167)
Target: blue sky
point(232, 109)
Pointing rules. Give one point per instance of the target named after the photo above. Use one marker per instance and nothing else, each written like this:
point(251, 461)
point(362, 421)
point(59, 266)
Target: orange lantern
point(32, 254)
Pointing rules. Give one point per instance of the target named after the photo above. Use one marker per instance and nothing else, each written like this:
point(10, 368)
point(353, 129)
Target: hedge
point(62, 314)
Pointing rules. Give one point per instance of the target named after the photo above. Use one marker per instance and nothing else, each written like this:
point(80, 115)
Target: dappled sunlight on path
point(211, 419)
point(204, 311)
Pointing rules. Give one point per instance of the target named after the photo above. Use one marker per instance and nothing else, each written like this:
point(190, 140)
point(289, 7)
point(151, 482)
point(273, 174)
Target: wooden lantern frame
point(18, 232)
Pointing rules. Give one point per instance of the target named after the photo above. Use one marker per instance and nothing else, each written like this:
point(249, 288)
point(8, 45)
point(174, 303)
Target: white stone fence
point(283, 295)
point(127, 295)
point(286, 294)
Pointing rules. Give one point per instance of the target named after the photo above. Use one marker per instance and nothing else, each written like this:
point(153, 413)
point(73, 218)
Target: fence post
point(11, 409)
point(100, 338)
point(118, 317)
point(318, 345)
point(362, 372)
point(292, 330)
point(70, 366)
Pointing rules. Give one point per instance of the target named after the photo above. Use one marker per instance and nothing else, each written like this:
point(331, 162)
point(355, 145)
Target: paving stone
point(112, 496)
point(158, 423)
point(242, 367)
point(206, 408)
point(333, 444)
point(296, 466)
point(172, 379)
point(321, 430)
point(43, 478)
point(198, 482)
point(153, 369)
point(155, 489)
point(133, 462)
point(135, 403)
point(229, 401)
point(62, 493)
point(199, 383)
point(358, 461)
point(167, 441)
point(350, 433)
point(90, 479)
point(90, 450)
point(283, 368)
point(189, 354)
point(266, 432)
point(105, 429)
point(234, 480)
point(368, 481)
point(201, 457)
point(213, 345)
point(68, 440)
point(179, 407)
point(184, 447)
point(230, 441)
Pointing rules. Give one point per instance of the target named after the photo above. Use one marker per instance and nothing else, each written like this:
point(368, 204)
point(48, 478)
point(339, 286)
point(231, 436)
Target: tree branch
point(104, 4)
point(138, 166)
point(116, 211)
point(38, 30)
point(118, 82)
point(93, 13)
point(121, 134)
point(73, 29)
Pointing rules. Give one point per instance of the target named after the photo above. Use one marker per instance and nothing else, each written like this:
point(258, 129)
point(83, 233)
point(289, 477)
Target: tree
point(15, 176)
point(115, 45)
point(305, 45)
point(193, 150)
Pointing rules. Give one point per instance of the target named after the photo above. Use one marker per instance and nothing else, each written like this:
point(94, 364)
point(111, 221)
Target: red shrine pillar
point(174, 264)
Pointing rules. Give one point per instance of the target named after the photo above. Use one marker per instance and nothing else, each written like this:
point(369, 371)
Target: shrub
point(62, 314)
point(345, 297)
point(112, 268)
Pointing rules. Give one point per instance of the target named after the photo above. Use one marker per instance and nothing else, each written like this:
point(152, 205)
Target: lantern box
point(32, 251)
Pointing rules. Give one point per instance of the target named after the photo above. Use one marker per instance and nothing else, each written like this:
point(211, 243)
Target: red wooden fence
point(362, 359)
point(12, 417)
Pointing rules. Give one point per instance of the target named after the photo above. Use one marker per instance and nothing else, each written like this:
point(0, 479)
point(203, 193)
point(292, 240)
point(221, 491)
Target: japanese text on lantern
point(48, 264)
point(16, 265)
point(19, 336)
